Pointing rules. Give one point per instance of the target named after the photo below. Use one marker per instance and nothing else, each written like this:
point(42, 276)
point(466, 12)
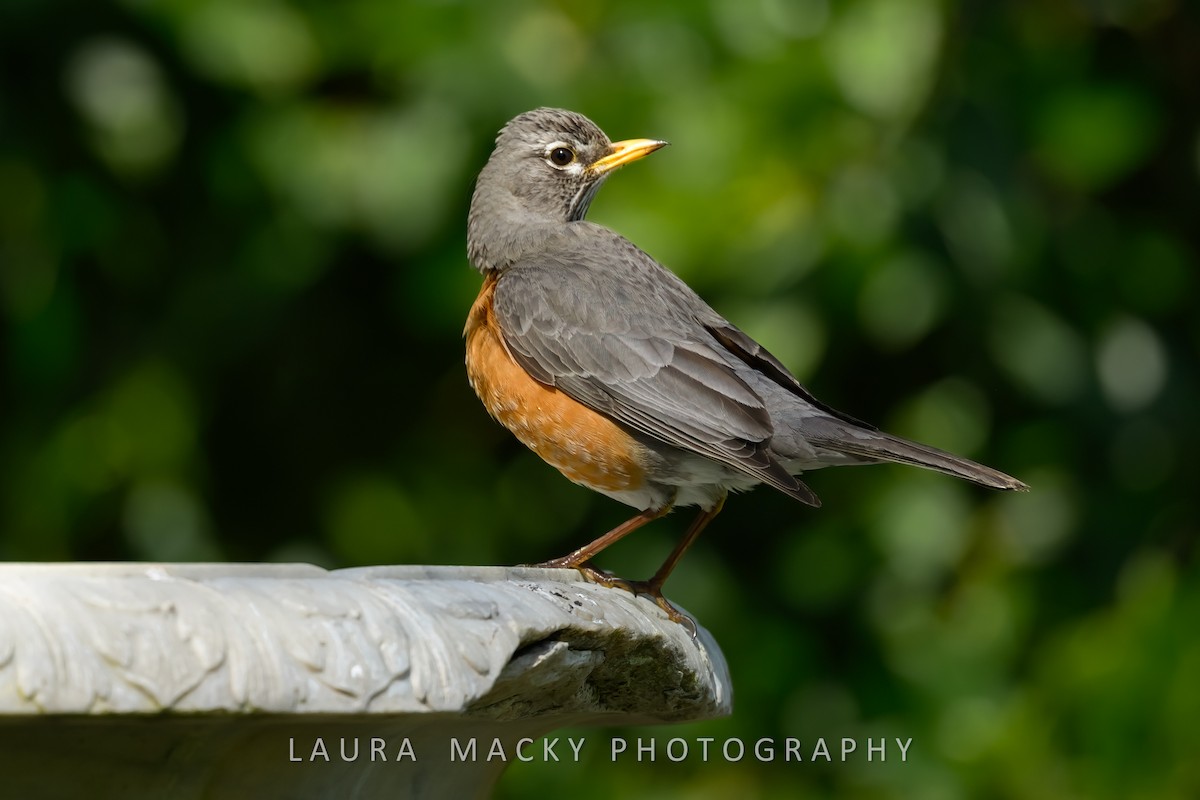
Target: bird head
point(553, 161)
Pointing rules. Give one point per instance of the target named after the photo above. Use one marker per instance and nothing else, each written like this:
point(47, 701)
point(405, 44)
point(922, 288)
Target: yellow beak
point(624, 152)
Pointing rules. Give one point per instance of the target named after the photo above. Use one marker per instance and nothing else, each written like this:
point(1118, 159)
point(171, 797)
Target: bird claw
point(648, 589)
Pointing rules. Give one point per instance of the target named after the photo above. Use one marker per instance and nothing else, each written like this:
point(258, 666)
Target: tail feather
point(878, 446)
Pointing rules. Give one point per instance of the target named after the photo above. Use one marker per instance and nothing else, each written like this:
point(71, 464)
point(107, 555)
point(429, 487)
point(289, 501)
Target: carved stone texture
point(228, 681)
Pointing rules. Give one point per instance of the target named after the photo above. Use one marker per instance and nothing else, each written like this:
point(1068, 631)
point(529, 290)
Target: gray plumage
point(584, 310)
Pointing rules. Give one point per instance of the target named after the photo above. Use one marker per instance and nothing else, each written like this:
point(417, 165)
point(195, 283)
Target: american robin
point(609, 367)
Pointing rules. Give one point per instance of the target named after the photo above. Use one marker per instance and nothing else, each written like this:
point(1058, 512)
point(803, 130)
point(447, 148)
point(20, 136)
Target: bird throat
point(583, 200)
point(502, 228)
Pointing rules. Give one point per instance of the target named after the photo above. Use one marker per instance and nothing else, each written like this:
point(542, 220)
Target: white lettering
point(458, 753)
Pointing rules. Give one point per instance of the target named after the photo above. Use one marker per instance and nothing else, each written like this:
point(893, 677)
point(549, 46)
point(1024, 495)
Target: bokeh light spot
point(977, 229)
point(883, 54)
point(1033, 527)
point(901, 300)
point(863, 205)
point(1041, 353)
point(370, 520)
point(264, 45)
point(1091, 135)
point(545, 47)
point(952, 414)
point(136, 123)
point(163, 521)
point(1131, 363)
point(921, 526)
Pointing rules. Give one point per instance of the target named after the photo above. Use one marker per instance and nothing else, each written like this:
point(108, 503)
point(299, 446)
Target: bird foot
point(562, 562)
point(648, 589)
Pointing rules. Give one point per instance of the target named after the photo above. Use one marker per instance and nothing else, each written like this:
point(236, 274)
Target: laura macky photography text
point(566, 748)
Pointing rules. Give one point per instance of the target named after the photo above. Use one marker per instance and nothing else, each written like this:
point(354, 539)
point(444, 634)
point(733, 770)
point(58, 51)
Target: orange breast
point(585, 446)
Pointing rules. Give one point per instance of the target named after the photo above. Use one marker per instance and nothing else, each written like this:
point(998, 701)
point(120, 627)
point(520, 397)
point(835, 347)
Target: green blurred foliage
point(233, 281)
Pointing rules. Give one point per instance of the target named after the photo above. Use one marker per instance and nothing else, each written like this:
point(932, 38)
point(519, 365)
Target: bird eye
point(562, 156)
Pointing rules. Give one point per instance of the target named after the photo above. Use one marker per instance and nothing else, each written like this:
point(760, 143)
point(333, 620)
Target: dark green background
point(233, 283)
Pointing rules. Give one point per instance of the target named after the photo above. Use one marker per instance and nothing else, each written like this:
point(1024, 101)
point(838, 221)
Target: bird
point(614, 371)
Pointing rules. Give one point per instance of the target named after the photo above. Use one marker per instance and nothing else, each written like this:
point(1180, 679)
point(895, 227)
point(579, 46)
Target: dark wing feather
point(759, 358)
point(617, 339)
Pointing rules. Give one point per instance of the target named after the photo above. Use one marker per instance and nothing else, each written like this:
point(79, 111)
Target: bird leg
point(698, 524)
point(577, 558)
point(653, 587)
